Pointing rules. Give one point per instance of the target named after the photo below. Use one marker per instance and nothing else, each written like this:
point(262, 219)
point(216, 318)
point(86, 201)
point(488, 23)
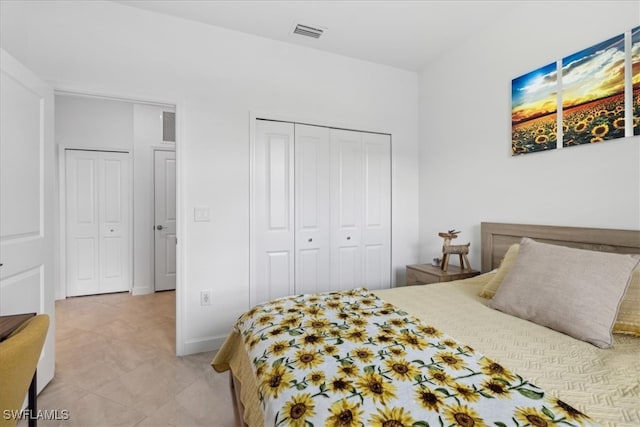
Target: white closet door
point(346, 209)
point(273, 222)
point(321, 210)
point(83, 245)
point(98, 237)
point(115, 269)
point(376, 221)
point(312, 208)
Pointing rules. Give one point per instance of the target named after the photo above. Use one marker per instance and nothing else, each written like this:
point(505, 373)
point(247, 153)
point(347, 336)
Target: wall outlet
point(205, 297)
point(201, 214)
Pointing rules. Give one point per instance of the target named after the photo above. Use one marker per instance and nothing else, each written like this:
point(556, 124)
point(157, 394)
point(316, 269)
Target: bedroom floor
point(116, 366)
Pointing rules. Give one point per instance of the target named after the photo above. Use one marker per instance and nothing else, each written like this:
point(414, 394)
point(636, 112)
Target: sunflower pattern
point(349, 359)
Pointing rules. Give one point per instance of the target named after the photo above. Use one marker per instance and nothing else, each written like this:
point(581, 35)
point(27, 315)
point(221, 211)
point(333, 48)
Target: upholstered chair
point(19, 355)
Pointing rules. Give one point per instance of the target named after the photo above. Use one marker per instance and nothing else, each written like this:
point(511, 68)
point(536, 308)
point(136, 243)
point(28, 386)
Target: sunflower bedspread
point(351, 359)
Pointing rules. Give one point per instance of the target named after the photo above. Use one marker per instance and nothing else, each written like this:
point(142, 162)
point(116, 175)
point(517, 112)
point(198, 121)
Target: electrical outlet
point(205, 297)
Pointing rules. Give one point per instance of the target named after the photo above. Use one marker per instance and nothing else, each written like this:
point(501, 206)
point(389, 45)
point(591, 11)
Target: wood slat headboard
point(497, 237)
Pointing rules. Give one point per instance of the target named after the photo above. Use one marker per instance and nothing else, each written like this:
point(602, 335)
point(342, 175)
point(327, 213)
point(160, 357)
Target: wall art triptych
point(590, 87)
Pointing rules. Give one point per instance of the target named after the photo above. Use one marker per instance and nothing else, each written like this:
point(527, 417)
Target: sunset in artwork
point(534, 111)
point(593, 94)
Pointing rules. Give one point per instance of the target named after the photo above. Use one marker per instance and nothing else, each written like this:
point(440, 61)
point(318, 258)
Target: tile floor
point(116, 366)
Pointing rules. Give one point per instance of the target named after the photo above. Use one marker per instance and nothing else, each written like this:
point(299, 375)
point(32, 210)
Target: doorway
point(92, 123)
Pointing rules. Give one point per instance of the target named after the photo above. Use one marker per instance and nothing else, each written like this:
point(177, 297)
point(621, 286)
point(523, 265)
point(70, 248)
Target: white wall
point(217, 78)
point(104, 124)
point(467, 174)
point(147, 134)
point(93, 123)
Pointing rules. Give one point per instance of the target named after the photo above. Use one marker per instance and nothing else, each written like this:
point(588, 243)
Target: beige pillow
point(574, 291)
point(492, 285)
point(628, 320)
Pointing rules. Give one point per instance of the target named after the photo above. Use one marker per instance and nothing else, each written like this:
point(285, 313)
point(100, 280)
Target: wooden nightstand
point(422, 274)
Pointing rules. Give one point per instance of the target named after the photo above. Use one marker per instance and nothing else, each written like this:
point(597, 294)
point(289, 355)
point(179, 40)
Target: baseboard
point(202, 345)
point(141, 290)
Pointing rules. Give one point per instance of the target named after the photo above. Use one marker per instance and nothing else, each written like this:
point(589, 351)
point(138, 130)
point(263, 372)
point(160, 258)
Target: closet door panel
point(273, 249)
point(347, 267)
point(346, 209)
point(114, 203)
point(83, 223)
point(276, 281)
point(376, 194)
point(376, 269)
point(310, 271)
point(312, 172)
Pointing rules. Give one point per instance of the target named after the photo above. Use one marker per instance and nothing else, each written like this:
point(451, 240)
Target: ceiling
point(402, 34)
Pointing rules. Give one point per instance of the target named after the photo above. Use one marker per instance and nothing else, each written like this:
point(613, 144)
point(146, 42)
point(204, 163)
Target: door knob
point(310, 240)
point(159, 227)
point(348, 237)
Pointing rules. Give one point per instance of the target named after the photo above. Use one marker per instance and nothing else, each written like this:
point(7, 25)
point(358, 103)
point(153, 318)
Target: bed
point(458, 361)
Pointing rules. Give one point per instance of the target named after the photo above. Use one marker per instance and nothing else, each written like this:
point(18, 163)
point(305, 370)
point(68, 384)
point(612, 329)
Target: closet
point(97, 190)
point(321, 210)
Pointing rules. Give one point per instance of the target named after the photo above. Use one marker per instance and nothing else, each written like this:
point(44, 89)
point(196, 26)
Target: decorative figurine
point(449, 249)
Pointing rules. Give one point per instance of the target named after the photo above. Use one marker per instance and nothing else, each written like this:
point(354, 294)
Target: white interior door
point(376, 211)
point(165, 219)
point(312, 209)
point(273, 211)
point(27, 279)
point(360, 210)
point(346, 209)
point(98, 222)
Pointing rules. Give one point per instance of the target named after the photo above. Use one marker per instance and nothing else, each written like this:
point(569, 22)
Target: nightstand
point(422, 274)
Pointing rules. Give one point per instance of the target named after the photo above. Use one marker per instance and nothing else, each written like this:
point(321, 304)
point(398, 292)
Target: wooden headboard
point(497, 237)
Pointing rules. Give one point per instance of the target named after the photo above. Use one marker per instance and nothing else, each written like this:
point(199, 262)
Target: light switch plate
point(201, 214)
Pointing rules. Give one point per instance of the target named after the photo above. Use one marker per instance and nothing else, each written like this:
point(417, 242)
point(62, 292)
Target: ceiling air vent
point(305, 30)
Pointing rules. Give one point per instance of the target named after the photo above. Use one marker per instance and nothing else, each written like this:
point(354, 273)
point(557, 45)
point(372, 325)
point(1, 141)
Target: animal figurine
point(449, 249)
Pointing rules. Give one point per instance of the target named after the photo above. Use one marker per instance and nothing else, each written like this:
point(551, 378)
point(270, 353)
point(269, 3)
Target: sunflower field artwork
point(593, 86)
point(635, 64)
point(534, 111)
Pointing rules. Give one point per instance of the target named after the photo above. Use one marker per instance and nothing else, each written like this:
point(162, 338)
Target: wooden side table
point(422, 274)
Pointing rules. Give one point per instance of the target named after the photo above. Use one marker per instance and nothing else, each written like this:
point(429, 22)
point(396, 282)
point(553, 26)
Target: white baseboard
point(142, 290)
point(202, 345)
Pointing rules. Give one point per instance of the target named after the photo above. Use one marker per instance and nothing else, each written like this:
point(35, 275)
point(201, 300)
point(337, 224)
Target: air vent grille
point(305, 30)
point(168, 126)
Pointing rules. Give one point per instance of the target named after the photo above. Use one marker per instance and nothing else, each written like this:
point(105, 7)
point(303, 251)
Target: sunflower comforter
point(351, 359)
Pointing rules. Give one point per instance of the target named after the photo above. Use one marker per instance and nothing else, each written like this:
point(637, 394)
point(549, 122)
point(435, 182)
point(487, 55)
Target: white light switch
point(201, 214)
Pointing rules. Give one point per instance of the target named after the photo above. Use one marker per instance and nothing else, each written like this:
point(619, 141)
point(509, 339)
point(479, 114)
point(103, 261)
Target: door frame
point(154, 149)
point(61, 292)
point(181, 210)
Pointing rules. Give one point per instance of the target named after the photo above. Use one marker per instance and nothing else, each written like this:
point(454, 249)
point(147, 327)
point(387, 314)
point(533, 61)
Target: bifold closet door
point(360, 210)
point(312, 209)
point(321, 215)
point(98, 219)
point(273, 211)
